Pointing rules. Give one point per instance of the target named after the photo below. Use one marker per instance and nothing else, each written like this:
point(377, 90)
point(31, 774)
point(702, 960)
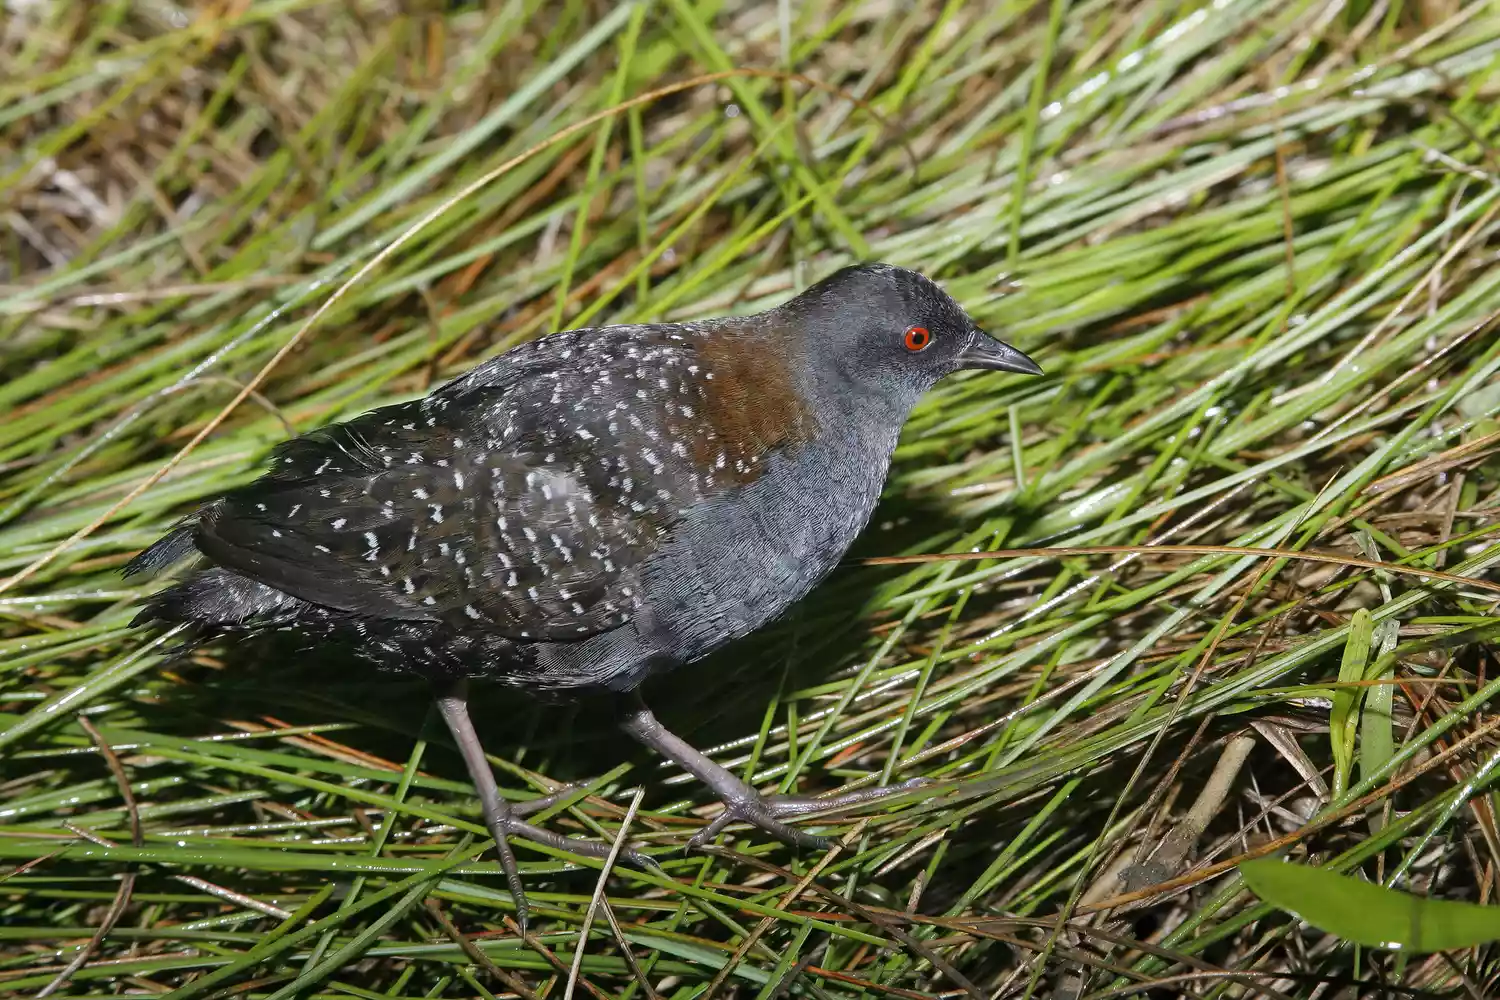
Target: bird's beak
point(988, 353)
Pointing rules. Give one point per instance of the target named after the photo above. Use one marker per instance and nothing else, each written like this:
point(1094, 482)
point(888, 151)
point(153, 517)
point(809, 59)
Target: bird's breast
point(742, 559)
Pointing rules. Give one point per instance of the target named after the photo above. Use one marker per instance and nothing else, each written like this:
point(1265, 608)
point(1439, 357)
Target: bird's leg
point(502, 819)
point(741, 802)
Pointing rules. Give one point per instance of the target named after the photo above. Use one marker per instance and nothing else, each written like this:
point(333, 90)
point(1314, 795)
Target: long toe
point(759, 815)
point(797, 805)
point(512, 875)
point(528, 806)
point(587, 848)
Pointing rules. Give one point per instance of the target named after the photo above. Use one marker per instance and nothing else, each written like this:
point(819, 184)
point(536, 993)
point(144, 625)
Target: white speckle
point(531, 593)
point(275, 533)
point(530, 535)
point(326, 463)
point(339, 522)
point(470, 611)
point(293, 512)
point(500, 523)
point(407, 585)
point(419, 493)
point(371, 540)
point(428, 600)
point(458, 480)
point(260, 506)
point(322, 548)
point(437, 513)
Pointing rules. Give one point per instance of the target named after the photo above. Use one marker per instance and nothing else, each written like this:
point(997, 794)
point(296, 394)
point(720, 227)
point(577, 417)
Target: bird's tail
point(173, 547)
point(213, 599)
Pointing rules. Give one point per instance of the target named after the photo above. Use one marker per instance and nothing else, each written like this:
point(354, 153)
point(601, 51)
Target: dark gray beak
point(990, 354)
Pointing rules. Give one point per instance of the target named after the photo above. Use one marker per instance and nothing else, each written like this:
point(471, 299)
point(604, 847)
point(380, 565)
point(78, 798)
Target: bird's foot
point(513, 826)
point(503, 819)
point(505, 824)
point(767, 812)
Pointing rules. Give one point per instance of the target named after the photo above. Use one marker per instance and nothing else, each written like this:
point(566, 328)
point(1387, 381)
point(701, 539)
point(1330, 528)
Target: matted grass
point(1253, 243)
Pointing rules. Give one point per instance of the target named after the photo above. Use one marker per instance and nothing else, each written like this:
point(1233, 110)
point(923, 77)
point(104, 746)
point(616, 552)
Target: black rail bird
point(586, 510)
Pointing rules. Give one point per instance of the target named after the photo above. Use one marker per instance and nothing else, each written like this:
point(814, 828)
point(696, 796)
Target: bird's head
point(892, 330)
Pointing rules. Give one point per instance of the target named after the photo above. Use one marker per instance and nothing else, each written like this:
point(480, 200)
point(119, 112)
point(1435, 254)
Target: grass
point(1254, 244)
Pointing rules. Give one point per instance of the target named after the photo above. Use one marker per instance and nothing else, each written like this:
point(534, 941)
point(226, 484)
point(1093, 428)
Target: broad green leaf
point(1364, 913)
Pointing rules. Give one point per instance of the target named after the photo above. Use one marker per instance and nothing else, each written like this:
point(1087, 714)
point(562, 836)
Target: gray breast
point(740, 562)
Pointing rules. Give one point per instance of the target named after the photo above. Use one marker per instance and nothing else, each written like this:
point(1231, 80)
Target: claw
point(641, 861)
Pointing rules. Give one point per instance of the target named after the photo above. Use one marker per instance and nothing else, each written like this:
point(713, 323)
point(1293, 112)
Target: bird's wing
point(522, 498)
point(481, 523)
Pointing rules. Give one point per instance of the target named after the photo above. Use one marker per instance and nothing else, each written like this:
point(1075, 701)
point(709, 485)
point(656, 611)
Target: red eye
point(917, 338)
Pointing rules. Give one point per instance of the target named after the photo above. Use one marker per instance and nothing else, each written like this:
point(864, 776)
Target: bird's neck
point(869, 416)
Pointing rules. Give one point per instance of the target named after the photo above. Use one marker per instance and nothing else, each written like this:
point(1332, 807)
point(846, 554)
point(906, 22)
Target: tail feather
point(215, 598)
point(212, 599)
point(173, 547)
